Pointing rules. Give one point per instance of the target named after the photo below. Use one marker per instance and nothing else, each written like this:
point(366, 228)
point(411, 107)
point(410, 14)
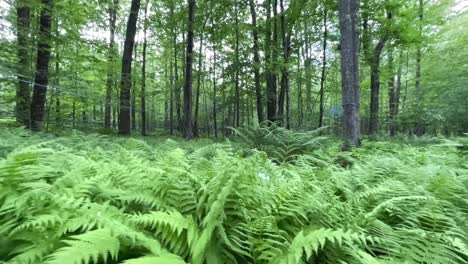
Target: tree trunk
point(324, 67)
point(349, 42)
point(42, 67)
point(215, 125)
point(391, 95)
point(112, 10)
point(125, 84)
point(256, 68)
point(171, 100)
point(23, 95)
point(200, 70)
point(375, 87)
point(284, 68)
point(419, 94)
point(237, 101)
point(270, 80)
point(143, 74)
point(133, 92)
point(188, 72)
point(176, 75)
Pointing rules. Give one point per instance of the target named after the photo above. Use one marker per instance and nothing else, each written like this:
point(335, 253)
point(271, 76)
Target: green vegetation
point(233, 132)
point(100, 199)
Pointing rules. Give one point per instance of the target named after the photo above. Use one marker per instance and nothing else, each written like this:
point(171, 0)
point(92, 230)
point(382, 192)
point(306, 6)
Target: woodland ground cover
point(90, 198)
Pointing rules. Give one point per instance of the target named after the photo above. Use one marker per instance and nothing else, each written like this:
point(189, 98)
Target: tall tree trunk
point(188, 72)
point(237, 99)
point(419, 93)
point(284, 67)
point(143, 74)
point(375, 81)
point(23, 95)
point(42, 67)
point(176, 74)
point(133, 93)
point(112, 10)
point(375, 87)
point(324, 67)
point(125, 84)
point(256, 66)
point(398, 85)
point(200, 70)
point(171, 100)
point(391, 95)
point(215, 125)
point(270, 80)
point(349, 42)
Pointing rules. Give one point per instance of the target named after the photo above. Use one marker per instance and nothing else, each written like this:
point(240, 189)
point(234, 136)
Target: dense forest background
point(233, 131)
point(249, 62)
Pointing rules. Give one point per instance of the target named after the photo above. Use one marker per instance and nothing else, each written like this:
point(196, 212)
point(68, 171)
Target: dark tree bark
point(324, 67)
point(112, 10)
point(349, 42)
point(125, 84)
point(284, 68)
point(375, 87)
point(143, 75)
point(41, 80)
point(270, 80)
point(375, 81)
point(256, 68)
point(188, 132)
point(23, 94)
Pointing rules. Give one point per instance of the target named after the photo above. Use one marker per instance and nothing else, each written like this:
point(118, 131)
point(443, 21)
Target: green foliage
point(280, 144)
point(98, 199)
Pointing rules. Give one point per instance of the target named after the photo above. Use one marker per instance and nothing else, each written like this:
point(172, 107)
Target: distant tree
point(188, 132)
point(23, 94)
point(125, 83)
point(349, 43)
point(41, 80)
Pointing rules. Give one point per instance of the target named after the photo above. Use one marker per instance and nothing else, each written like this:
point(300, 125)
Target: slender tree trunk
point(237, 101)
point(171, 100)
point(112, 10)
point(256, 66)
point(375, 87)
point(188, 71)
point(284, 67)
point(143, 74)
point(42, 67)
point(324, 67)
point(125, 84)
point(391, 95)
point(270, 80)
point(176, 75)
point(215, 125)
point(349, 42)
point(398, 85)
point(133, 92)
point(23, 94)
point(419, 93)
point(199, 76)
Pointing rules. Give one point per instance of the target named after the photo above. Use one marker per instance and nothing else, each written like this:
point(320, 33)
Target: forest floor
point(132, 200)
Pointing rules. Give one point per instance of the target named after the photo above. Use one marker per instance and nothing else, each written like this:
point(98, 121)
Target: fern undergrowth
point(100, 199)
